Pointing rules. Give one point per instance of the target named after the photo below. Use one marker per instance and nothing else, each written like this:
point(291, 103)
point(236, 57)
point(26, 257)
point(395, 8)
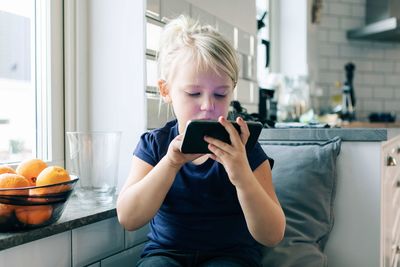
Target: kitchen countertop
point(320, 134)
point(77, 215)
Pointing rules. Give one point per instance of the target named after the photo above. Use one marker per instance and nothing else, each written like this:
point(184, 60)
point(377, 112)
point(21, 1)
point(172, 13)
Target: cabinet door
point(51, 251)
point(95, 241)
point(127, 258)
point(391, 201)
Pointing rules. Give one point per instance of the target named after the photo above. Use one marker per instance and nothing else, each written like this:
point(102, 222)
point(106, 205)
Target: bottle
point(347, 113)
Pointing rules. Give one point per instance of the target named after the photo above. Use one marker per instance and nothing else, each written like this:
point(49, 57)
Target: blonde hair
point(185, 37)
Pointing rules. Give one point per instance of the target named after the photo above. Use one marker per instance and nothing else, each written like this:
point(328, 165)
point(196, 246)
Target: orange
point(6, 169)
point(51, 175)
point(33, 214)
point(12, 180)
point(31, 168)
point(6, 210)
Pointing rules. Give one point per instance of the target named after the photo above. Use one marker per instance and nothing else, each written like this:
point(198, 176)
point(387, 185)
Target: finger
point(219, 153)
point(219, 144)
point(233, 134)
point(244, 130)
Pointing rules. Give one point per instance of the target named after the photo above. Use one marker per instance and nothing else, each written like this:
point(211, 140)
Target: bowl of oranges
point(33, 195)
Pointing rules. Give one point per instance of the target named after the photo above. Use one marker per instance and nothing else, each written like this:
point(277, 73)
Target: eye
point(219, 95)
point(193, 94)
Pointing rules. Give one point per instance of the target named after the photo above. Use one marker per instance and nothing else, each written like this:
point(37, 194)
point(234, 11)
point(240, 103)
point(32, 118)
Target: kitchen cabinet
point(94, 242)
point(52, 251)
point(103, 243)
point(391, 203)
point(366, 229)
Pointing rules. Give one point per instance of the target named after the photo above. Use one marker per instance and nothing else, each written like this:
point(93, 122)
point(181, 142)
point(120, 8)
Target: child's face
point(203, 95)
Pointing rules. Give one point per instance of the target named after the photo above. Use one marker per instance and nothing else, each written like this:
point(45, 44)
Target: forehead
point(188, 69)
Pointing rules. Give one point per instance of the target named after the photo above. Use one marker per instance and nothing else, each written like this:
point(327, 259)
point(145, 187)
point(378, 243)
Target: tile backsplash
point(377, 74)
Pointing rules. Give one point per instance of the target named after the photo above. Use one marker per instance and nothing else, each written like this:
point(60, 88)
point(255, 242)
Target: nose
point(207, 103)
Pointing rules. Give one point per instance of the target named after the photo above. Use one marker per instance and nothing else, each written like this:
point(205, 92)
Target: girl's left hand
point(233, 156)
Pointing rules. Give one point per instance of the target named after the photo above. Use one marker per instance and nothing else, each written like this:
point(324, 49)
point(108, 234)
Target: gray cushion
point(304, 177)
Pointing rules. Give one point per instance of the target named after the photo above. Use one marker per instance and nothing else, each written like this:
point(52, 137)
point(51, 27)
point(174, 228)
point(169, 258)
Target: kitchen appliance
point(267, 107)
point(382, 22)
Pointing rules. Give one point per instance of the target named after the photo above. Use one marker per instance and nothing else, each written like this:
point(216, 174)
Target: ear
point(164, 91)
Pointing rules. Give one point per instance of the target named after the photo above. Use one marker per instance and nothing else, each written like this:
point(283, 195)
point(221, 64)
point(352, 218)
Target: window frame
point(49, 60)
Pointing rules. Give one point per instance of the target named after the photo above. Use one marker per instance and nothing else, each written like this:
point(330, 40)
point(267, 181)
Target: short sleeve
point(147, 149)
point(257, 156)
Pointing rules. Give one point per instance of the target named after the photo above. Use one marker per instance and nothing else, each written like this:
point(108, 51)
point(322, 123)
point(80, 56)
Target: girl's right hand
point(174, 155)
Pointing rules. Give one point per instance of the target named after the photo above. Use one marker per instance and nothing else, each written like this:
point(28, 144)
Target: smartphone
point(193, 140)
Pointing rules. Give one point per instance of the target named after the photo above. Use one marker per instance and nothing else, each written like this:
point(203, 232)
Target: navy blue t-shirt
point(201, 211)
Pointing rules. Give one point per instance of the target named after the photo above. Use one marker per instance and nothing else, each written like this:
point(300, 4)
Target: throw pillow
point(304, 176)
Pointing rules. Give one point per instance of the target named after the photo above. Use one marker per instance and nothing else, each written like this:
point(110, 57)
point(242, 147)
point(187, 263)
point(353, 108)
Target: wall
point(241, 13)
point(105, 74)
point(377, 75)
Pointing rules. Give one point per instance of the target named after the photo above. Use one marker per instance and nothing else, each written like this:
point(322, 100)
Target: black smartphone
point(193, 140)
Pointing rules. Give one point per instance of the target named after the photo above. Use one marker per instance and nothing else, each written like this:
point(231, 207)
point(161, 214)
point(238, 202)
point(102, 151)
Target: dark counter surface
point(75, 215)
point(320, 134)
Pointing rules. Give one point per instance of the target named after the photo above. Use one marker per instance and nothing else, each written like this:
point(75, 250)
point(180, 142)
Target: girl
point(204, 210)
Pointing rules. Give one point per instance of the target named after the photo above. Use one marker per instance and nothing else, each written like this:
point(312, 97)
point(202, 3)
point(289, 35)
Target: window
point(31, 81)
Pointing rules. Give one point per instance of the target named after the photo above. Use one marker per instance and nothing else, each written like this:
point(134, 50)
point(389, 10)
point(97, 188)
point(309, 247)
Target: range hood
point(382, 22)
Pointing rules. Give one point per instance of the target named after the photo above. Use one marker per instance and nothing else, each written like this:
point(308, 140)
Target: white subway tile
point(349, 23)
point(329, 77)
point(362, 91)
point(339, 9)
point(397, 68)
point(322, 35)
point(364, 65)
point(337, 36)
point(337, 64)
point(362, 2)
point(329, 22)
point(351, 51)
point(358, 10)
point(371, 79)
point(372, 105)
point(329, 50)
point(323, 63)
point(393, 53)
point(392, 80)
point(392, 105)
point(383, 93)
point(374, 53)
point(387, 66)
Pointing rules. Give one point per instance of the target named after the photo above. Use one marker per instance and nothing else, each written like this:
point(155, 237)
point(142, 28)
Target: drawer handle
point(391, 161)
point(396, 249)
